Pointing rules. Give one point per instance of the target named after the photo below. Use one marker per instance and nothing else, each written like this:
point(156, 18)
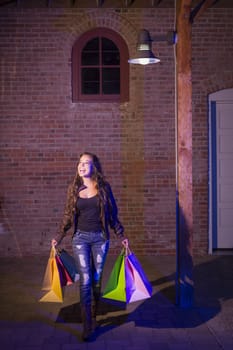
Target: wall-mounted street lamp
point(144, 45)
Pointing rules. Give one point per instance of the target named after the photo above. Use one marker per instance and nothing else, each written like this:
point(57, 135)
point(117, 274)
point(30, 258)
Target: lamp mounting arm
point(170, 37)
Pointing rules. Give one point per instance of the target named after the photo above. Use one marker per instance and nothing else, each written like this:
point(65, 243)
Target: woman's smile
point(85, 166)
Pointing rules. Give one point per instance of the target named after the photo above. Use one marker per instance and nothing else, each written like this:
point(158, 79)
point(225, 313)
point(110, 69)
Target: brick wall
point(43, 132)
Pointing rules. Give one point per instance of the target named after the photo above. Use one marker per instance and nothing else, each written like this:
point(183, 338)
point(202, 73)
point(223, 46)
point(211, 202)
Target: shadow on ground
point(213, 285)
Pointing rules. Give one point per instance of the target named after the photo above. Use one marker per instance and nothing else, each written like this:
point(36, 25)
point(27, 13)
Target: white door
point(221, 170)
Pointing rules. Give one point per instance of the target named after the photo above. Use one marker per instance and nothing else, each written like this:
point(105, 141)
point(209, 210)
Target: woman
point(92, 209)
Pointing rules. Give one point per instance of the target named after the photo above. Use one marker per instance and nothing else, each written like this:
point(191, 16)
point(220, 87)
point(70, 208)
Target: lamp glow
point(144, 61)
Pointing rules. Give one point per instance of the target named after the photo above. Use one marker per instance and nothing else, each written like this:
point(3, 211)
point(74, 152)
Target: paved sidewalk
point(155, 323)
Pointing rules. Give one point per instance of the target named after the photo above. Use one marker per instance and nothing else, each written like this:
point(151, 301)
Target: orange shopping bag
point(52, 282)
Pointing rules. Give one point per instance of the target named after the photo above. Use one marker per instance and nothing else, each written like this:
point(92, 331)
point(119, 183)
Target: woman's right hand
point(53, 242)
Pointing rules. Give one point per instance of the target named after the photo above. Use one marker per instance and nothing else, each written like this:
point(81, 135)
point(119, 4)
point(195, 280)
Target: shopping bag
point(52, 282)
point(115, 287)
point(137, 285)
point(65, 278)
point(68, 262)
point(127, 281)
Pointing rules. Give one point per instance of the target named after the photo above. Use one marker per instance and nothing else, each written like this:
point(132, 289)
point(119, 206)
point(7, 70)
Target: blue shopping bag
point(69, 264)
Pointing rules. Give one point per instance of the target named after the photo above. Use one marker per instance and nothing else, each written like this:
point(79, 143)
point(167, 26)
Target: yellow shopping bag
point(51, 282)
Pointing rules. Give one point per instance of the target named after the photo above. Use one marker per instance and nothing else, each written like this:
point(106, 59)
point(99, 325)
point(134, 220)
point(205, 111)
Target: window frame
point(78, 46)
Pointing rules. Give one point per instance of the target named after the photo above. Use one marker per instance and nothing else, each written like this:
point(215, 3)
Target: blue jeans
point(90, 251)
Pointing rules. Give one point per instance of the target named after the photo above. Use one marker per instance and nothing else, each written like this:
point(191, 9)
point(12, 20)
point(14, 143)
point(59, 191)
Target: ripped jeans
point(90, 251)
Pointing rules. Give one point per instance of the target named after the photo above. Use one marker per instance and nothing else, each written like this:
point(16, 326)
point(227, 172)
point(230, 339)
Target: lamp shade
point(144, 52)
point(144, 40)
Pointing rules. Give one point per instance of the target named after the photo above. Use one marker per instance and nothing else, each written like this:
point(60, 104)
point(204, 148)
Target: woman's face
point(85, 166)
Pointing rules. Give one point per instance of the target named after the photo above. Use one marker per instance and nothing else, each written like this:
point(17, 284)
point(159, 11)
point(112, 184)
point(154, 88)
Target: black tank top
point(89, 214)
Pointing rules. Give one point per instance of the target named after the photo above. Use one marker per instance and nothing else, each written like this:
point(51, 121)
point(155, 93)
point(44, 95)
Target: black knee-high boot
point(87, 321)
point(95, 304)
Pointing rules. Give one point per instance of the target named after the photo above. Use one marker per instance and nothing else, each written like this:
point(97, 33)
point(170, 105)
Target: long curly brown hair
point(102, 186)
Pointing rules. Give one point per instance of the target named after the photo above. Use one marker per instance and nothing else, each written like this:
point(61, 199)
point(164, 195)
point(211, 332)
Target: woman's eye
point(84, 163)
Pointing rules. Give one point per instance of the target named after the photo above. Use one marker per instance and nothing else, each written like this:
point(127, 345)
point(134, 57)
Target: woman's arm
point(114, 222)
point(67, 220)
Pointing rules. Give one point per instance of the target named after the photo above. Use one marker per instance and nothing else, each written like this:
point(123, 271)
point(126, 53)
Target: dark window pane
point(111, 81)
point(90, 53)
point(92, 45)
point(108, 45)
point(110, 58)
point(90, 88)
point(110, 53)
point(90, 81)
point(90, 59)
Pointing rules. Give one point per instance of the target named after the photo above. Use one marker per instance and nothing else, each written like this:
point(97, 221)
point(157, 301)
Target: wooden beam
point(155, 2)
point(184, 278)
point(200, 8)
point(128, 2)
point(99, 2)
point(8, 2)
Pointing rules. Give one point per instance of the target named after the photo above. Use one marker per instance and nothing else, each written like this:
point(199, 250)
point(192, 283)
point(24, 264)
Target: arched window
point(100, 69)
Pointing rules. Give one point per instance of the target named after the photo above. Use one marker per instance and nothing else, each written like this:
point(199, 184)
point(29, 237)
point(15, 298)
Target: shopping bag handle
point(55, 249)
point(125, 243)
